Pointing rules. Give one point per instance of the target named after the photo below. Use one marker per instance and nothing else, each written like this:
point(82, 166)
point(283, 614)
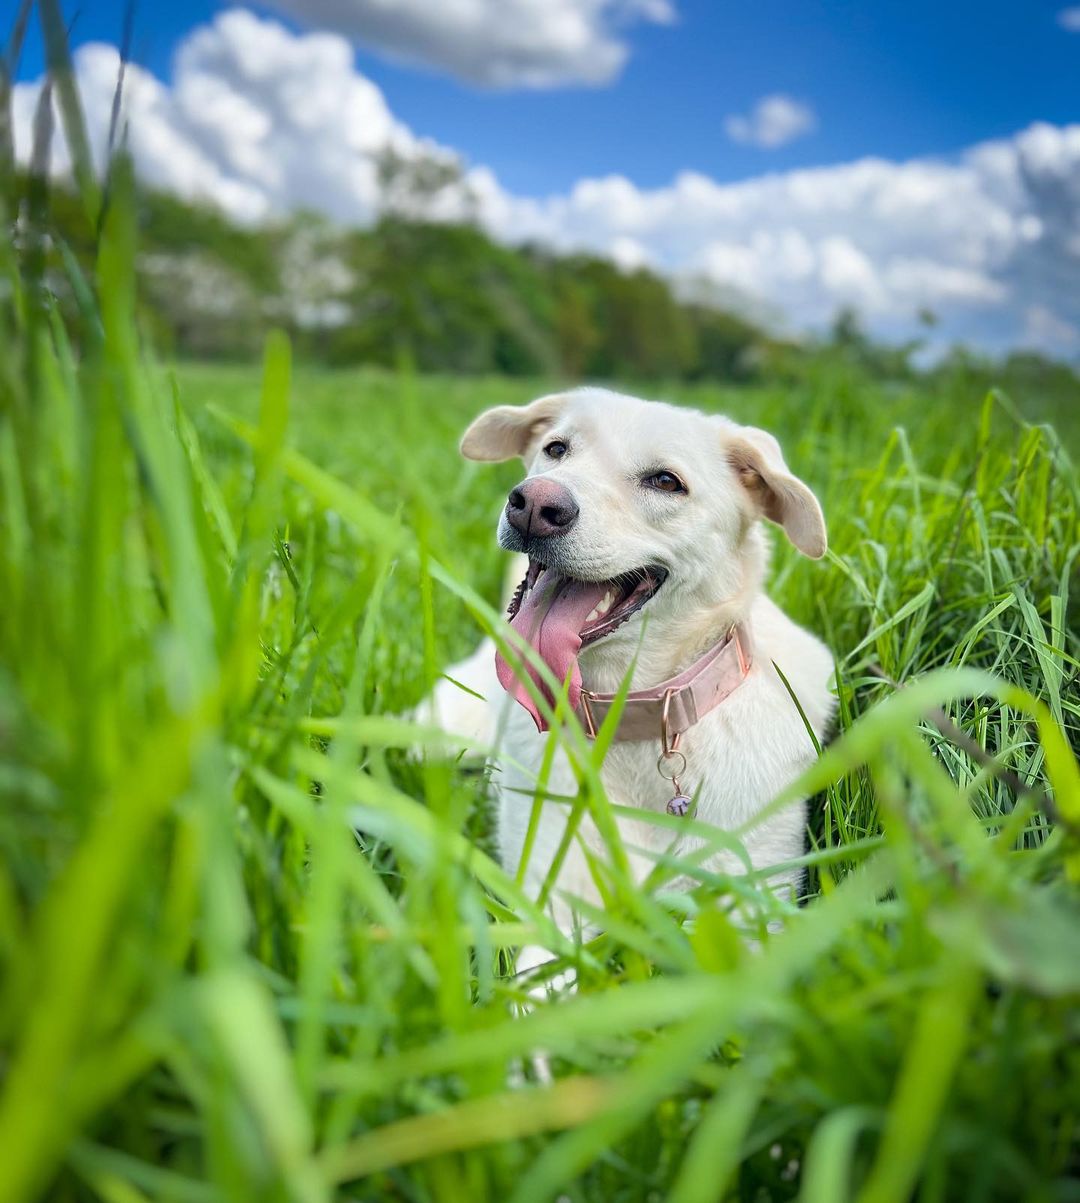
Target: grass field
point(216, 587)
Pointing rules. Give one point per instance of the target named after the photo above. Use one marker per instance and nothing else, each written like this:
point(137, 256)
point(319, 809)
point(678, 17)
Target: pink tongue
point(550, 621)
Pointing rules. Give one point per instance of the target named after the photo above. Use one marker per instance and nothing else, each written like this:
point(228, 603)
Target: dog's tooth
point(606, 603)
point(593, 615)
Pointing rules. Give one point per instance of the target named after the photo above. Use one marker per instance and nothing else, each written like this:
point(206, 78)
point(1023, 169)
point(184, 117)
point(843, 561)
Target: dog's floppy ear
point(775, 492)
point(509, 430)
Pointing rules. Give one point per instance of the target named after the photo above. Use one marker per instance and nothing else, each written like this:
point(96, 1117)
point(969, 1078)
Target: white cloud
point(1045, 331)
point(500, 43)
point(257, 120)
point(628, 254)
point(979, 238)
point(774, 121)
point(1069, 18)
point(262, 121)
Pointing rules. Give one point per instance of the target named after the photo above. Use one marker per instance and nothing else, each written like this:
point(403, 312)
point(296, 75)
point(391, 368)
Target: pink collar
point(674, 706)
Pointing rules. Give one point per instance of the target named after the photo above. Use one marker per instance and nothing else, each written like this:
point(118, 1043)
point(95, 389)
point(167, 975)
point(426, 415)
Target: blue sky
point(879, 84)
point(886, 78)
point(643, 129)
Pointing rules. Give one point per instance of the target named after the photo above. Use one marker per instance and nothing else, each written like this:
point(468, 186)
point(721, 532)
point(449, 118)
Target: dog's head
point(625, 500)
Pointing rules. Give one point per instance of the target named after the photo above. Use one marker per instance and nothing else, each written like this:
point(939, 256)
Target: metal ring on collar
point(663, 758)
point(666, 742)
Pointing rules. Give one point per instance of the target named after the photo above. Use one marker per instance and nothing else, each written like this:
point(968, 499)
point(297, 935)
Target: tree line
point(447, 298)
point(440, 297)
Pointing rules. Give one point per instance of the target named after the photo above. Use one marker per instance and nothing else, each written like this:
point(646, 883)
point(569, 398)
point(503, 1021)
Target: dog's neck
point(674, 635)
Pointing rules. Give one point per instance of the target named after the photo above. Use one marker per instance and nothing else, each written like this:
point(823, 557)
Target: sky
point(790, 157)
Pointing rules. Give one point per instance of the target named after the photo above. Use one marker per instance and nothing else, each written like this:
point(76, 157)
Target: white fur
point(741, 754)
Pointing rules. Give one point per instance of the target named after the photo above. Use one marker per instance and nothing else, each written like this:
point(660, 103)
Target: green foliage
point(446, 298)
point(212, 991)
point(217, 590)
point(441, 297)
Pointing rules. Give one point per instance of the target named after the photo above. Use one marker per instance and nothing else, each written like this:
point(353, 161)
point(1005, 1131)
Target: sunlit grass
point(212, 988)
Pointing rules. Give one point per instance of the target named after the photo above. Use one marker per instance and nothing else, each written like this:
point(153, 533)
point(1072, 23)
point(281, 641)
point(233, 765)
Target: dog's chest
point(736, 759)
point(722, 766)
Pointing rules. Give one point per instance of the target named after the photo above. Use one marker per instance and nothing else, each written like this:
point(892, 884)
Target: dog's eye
point(666, 482)
point(556, 449)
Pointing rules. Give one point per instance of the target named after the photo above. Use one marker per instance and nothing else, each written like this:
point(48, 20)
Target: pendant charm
point(671, 763)
point(679, 806)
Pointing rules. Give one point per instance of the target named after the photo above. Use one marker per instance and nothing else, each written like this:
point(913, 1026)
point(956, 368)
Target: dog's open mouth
point(616, 599)
point(558, 615)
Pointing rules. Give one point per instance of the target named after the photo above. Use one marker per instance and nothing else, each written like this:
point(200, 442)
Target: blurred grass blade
point(936, 1046)
point(251, 1042)
point(497, 1118)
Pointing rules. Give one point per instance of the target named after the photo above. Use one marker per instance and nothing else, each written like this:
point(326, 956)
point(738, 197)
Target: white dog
point(641, 525)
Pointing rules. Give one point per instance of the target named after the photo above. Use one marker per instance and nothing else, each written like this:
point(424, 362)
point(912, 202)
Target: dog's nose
point(539, 508)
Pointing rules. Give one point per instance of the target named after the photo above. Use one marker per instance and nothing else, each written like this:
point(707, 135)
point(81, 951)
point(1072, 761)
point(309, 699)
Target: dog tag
point(679, 805)
point(673, 761)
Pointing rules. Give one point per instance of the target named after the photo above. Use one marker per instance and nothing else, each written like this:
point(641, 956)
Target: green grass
point(212, 989)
